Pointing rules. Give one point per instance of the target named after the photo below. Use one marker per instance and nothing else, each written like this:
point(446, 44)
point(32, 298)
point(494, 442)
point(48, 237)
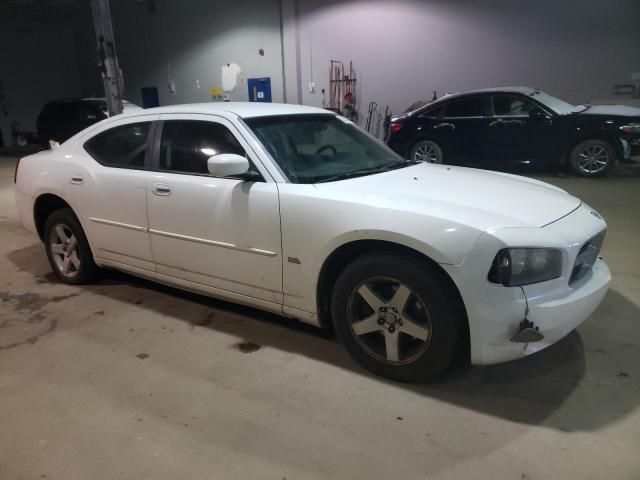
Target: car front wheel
point(68, 249)
point(592, 158)
point(397, 317)
point(427, 151)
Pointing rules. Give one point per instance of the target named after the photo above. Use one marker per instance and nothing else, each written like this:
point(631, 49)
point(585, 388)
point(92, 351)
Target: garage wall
point(43, 61)
point(190, 41)
point(406, 49)
point(403, 49)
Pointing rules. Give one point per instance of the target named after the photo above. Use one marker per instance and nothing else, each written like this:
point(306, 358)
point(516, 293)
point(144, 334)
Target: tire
point(67, 248)
point(384, 341)
point(592, 158)
point(426, 151)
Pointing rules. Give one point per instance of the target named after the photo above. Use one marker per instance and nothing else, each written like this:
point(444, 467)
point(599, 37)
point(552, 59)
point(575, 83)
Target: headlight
point(631, 128)
point(522, 266)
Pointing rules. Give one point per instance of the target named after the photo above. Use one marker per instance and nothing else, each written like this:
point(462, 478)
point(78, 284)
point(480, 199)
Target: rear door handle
point(161, 189)
point(77, 180)
point(445, 125)
point(497, 123)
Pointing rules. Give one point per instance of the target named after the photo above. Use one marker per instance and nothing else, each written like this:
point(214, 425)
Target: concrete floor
point(129, 380)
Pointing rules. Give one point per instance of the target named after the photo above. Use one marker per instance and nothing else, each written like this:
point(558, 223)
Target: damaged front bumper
point(507, 323)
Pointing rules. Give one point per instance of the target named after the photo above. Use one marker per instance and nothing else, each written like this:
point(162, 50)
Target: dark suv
point(61, 119)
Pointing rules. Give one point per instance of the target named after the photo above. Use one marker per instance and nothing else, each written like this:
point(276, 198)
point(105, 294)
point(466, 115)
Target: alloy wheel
point(592, 159)
point(427, 152)
point(64, 250)
point(389, 320)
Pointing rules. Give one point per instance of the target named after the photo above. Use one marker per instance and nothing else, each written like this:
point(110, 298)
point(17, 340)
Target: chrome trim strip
point(119, 224)
point(214, 243)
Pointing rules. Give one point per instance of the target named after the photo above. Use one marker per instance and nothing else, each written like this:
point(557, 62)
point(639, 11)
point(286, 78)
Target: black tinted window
point(433, 113)
point(187, 145)
point(123, 146)
point(469, 107)
point(511, 105)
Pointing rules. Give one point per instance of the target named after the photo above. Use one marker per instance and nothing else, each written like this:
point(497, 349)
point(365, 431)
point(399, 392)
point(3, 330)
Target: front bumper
point(555, 307)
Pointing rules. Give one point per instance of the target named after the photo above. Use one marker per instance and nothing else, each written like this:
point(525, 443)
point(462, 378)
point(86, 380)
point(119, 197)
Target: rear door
point(468, 121)
point(218, 232)
point(109, 189)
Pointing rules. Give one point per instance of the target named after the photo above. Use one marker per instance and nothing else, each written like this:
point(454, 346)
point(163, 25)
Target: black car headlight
point(522, 266)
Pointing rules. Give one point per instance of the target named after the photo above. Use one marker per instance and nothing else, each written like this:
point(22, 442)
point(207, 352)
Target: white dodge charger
point(297, 211)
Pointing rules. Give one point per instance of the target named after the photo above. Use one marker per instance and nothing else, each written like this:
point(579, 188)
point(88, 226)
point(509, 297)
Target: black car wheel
point(426, 151)
point(397, 317)
point(67, 248)
point(592, 158)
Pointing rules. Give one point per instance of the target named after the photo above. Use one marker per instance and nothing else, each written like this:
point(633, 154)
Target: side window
point(432, 113)
point(187, 145)
point(511, 106)
point(122, 147)
point(468, 107)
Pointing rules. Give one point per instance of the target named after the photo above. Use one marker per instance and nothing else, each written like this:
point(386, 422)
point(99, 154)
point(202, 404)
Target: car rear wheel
point(426, 151)
point(68, 249)
point(397, 317)
point(592, 158)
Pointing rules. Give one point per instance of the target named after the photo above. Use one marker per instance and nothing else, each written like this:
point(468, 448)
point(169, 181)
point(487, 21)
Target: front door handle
point(77, 180)
point(445, 125)
point(497, 123)
point(161, 189)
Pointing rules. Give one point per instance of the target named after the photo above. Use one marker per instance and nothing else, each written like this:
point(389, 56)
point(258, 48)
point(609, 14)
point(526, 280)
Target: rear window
point(121, 147)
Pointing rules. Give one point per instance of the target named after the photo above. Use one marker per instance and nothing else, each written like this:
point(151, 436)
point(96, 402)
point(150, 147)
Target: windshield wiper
point(369, 171)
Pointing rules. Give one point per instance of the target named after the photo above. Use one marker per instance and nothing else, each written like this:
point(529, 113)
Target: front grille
point(587, 256)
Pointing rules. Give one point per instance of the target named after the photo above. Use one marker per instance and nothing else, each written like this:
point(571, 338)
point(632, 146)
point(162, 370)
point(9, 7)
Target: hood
point(612, 110)
point(478, 198)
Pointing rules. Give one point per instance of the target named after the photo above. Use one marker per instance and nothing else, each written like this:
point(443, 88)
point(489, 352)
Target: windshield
point(555, 104)
point(316, 148)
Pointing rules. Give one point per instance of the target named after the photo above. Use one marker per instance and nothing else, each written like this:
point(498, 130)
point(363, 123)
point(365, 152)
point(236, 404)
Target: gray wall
point(402, 49)
point(405, 49)
point(190, 41)
point(43, 61)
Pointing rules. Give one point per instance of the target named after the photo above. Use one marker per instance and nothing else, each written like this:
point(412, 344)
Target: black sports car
point(503, 127)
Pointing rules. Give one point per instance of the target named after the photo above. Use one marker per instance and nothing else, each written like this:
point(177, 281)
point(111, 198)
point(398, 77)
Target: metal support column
point(107, 59)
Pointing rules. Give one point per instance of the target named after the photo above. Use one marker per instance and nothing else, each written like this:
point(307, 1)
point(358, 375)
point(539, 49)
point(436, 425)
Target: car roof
point(242, 109)
point(521, 90)
point(449, 96)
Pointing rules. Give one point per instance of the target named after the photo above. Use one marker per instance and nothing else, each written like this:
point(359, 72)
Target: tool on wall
point(386, 124)
point(373, 109)
point(342, 86)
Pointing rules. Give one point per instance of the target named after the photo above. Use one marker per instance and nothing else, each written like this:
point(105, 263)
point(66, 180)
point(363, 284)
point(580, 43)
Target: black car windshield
point(321, 148)
point(557, 105)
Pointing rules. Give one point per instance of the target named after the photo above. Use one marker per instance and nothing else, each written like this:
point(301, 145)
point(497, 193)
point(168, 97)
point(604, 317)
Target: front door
point(521, 132)
point(218, 232)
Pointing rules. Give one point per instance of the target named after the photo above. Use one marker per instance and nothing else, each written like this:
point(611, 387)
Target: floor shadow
point(552, 388)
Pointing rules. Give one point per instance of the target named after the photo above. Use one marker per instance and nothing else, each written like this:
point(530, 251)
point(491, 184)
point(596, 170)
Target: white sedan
point(297, 211)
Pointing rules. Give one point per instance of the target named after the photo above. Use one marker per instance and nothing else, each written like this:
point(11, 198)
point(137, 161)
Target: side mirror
point(227, 165)
point(536, 114)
